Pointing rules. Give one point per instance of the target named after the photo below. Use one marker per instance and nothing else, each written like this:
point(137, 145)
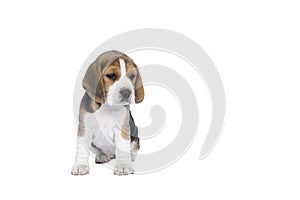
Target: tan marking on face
point(125, 132)
point(115, 68)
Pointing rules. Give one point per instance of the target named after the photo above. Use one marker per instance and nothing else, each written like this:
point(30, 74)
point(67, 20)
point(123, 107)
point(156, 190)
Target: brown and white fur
point(106, 127)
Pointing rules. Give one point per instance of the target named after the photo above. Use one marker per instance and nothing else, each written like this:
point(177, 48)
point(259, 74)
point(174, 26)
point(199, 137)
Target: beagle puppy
point(106, 128)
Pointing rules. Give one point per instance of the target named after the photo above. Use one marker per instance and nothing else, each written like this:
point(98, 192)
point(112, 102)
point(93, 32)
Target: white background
point(255, 46)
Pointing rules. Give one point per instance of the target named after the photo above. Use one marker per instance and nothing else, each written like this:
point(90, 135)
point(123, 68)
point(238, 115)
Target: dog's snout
point(125, 93)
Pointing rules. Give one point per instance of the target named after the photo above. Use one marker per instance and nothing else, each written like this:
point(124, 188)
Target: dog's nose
point(125, 93)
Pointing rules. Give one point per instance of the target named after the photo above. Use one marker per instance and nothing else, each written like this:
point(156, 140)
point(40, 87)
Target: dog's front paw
point(79, 169)
point(123, 169)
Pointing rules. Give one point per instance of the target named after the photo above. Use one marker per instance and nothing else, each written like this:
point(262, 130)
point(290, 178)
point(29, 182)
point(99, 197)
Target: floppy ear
point(138, 86)
point(92, 82)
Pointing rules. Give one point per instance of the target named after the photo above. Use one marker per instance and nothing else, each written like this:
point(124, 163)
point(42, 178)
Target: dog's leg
point(134, 147)
point(135, 144)
point(81, 164)
point(123, 157)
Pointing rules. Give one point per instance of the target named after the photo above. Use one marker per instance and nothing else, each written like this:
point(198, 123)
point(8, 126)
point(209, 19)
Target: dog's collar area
point(126, 104)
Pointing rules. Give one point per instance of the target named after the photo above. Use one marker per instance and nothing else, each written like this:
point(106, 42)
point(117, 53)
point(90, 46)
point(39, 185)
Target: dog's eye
point(132, 76)
point(111, 76)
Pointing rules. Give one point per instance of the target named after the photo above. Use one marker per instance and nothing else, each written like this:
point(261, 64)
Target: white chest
point(102, 125)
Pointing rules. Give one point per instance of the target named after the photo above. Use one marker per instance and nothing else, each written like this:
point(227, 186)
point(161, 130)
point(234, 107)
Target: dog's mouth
point(125, 101)
point(121, 101)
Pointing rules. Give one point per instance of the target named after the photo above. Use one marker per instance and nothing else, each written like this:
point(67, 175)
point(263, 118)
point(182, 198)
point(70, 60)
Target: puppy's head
point(113, 78)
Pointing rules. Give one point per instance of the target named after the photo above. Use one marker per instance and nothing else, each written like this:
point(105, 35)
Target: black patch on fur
point(87, 103)
point(133, 130)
